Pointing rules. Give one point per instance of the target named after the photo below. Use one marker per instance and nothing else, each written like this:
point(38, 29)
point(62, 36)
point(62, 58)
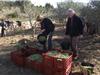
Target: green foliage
point(36, 57)
point(53, 53)
point(42, 38)
point(26, 7)
point(60, 12)
point(91, 12)
point(48, 6)
point(22, 43)
point(20, 5)
point(58, 54)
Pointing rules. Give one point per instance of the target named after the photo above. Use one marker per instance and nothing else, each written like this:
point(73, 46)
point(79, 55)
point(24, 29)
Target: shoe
point(75, 56)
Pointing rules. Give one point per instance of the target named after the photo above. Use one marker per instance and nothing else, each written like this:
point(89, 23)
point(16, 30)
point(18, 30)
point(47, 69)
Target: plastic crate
point(48, 64)
point(18, 58)
point(28, 63)
point(52, 62)
point(64, 72)
point(63, 64)
point(38, 66)
point(53, 71)
point(48, 61)
point(48, 71)
point(54, 67)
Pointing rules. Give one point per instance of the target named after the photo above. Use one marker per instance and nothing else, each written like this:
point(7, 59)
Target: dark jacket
point(47, 25)
point(74, 26)
point(2, 24)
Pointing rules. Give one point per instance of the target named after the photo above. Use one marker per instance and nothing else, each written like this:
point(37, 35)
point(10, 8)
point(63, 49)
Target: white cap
point(71, 10)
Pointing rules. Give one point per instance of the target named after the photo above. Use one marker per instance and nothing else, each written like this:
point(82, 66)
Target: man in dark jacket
point(74, 28)
point(47, 28)
point(2, 24)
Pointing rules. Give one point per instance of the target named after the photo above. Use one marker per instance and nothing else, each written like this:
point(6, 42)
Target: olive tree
point(62, 7)
point(92, 13)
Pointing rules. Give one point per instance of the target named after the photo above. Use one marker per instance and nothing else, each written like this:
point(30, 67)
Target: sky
point(54, 2)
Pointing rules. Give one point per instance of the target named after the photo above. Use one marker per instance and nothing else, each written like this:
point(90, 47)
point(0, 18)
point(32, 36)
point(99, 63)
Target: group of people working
point(74, 29)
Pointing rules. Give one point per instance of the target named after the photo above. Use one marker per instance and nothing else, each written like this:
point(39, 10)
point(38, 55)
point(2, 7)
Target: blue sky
point(53, 2)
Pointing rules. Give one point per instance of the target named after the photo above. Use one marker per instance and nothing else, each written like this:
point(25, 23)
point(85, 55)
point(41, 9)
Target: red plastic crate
point(52, 62)
point(63, 64)
point(18, 58)
point(38, 66)
point(48, 61)
point(54, 67)
point(48, 64)
point(64, 72)
point(28, 63)
point(69, 69)
point(48, 71)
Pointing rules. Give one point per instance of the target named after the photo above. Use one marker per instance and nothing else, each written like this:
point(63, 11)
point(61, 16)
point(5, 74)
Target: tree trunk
point(33, 27)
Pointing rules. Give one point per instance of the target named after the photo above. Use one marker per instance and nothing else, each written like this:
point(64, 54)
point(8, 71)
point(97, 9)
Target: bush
point(12, 15)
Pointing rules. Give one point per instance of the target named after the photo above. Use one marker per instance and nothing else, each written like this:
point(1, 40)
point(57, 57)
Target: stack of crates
point(52, 66)
point(20, 59)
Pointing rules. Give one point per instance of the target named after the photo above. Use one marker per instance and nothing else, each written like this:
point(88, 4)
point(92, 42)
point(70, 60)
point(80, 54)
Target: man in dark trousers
point(47, 28)
point(74, 28)
point(2, 24)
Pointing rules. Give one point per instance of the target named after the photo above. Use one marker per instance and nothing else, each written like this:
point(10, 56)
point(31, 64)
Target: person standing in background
point(74, 28)
point(2, 24)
